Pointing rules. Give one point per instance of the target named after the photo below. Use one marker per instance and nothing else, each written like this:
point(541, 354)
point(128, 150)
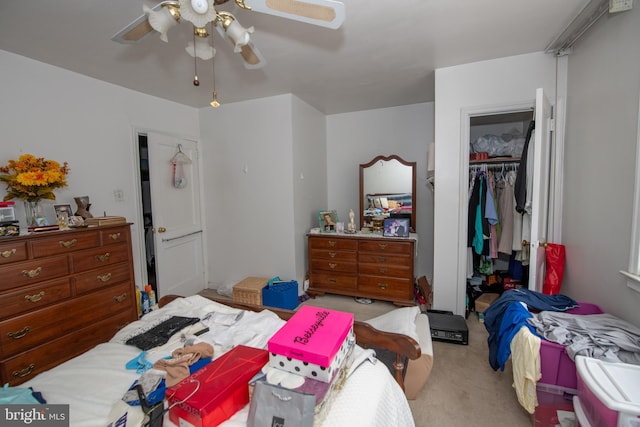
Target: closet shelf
point(492, 160)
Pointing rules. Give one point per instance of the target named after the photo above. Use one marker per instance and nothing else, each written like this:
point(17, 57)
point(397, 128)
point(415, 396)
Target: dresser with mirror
point(368, 264)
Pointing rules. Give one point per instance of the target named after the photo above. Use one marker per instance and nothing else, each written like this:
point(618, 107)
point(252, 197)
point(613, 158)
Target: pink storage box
point(608, 393)
point(556, 366)
point(312, 334)
point(324, 374)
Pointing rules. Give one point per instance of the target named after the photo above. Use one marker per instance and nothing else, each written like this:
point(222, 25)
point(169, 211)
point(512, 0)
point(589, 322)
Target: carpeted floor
point(462, 389)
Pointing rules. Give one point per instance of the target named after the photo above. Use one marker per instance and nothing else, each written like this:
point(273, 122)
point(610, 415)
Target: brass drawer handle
point(383, 285)
point(120, 298)
point(383, 270)
point(7, 254)
point(34, 298)
point(114, 236)
point(382, 258)
point(382, 246)
point(104, 278)
point(103, 258)
point(19, 334)
point(333, 280)
point(32, 273)
point(24, 372)
point(332, 254)
point(332, 265)
point(68, 244)
point(332, 243)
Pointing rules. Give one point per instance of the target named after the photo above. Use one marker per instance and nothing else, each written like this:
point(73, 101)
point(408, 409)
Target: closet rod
point(495, 166)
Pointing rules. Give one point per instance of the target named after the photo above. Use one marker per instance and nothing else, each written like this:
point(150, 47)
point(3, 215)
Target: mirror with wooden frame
point(387, 190)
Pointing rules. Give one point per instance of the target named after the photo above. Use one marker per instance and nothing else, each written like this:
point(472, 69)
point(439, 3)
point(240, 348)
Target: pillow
point(384, 203)
point(399, 321)
point(393, 204)
point(377, 203)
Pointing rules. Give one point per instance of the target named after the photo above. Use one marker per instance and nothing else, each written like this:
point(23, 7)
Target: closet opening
point(497, 233)
point(147, 214)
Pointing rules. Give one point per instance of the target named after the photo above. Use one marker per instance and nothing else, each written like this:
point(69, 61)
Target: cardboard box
point(312, 341)
point(217, 391)
point(484, 301)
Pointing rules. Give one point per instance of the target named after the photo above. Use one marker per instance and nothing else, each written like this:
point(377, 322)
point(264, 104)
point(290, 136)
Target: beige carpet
point(462, 389)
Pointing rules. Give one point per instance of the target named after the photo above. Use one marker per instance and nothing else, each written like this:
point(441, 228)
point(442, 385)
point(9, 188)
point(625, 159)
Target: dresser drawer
point(332, 243)
point(34, 297)
point(333, 265)
point(101, 277)
point(386, 287)
point(23, 332)
point(373, 258)
point(63, 242)
point(115, 235)
point(99, 257)
point(386, 270)
point(333, 281)
point(12, 251)
point(26, 365)
point(331, 254)
point(34, 271)
point(386, 247)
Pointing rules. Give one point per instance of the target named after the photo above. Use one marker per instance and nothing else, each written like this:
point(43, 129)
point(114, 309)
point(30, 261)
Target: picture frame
point(327, 220)
point(396, 227)
point(63, 210)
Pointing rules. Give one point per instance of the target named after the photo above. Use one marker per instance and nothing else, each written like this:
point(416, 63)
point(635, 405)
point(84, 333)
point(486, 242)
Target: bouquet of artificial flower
point(33, 178)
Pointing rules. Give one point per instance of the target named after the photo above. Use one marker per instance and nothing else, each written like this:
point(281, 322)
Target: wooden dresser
point(62, 293)
point(362, 266)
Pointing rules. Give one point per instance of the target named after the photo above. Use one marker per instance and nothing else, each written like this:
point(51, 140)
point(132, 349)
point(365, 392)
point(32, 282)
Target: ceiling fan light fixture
point(236, 33)
point(198, 12)
point(201, 49)
point(163, 20)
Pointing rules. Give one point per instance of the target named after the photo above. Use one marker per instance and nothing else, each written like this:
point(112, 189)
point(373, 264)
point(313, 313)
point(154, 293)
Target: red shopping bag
point(555, 256)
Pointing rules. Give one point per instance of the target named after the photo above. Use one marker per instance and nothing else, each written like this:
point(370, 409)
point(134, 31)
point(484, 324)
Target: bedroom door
point(177, 217)
point(540, 196)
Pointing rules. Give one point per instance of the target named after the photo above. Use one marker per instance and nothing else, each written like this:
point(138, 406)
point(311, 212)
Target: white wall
point(601, 139)
point(258, 207)
point(481, 85)
point(356, 138)
point(64, 116)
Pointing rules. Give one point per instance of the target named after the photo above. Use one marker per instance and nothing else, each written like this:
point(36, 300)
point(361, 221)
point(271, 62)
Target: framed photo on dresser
point(396, 227)
point(328, 220)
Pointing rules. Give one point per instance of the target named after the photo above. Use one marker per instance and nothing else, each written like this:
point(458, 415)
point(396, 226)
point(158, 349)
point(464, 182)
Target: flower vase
point(33, 212)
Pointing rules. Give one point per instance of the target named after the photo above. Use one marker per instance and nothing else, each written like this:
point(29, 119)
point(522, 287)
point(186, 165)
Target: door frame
point(142, 255)
point(465, 131)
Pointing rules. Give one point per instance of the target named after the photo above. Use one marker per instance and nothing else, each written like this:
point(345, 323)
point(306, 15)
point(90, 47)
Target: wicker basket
point(249, 290)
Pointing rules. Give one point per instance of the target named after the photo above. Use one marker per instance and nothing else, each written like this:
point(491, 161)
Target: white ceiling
point(384, 54)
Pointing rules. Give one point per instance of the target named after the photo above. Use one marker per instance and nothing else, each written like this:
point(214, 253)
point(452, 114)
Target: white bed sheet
point(94, 381)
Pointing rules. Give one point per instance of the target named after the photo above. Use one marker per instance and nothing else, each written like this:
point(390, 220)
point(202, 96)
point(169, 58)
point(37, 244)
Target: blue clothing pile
point(506, 315)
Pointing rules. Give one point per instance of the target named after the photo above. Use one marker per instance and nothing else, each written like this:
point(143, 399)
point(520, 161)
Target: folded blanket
point(600, 336)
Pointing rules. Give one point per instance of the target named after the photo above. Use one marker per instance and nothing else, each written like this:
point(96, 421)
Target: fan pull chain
point(196, 82)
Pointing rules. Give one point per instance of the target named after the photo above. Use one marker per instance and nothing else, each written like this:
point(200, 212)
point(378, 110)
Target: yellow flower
point(33, 178)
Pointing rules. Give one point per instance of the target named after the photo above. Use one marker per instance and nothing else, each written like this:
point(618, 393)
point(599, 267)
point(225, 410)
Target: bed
point(94, 381)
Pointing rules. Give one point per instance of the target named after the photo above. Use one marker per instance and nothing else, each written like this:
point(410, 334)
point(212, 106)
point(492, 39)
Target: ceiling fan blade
point(140, 28)
point(134, 32)
point(325, 13)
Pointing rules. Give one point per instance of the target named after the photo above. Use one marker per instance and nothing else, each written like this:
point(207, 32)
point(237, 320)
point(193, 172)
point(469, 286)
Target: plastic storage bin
point(551, 399)
point(281, 295)
point(556, 366)
point(608, 393)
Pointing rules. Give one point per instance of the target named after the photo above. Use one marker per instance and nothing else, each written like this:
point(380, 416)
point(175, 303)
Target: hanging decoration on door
point(177, 163)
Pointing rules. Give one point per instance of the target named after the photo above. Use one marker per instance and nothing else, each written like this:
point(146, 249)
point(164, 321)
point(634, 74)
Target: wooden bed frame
point(366, 335)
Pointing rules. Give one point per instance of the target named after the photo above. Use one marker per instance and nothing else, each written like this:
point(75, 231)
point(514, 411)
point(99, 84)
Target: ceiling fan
point(201, 13)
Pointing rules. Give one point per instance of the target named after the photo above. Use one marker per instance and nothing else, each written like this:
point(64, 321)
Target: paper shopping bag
point(276, 406)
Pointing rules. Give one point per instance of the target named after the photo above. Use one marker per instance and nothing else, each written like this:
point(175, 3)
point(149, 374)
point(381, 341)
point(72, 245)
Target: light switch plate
point(620, 5)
